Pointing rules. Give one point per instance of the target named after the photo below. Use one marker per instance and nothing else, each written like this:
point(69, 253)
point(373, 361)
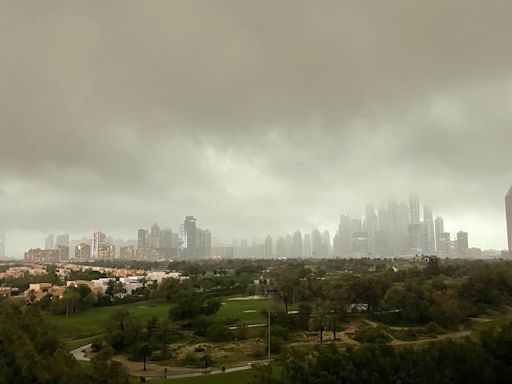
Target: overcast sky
point(258, 117)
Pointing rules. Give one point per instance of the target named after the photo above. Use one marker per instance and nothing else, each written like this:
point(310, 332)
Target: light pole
point(268, 321)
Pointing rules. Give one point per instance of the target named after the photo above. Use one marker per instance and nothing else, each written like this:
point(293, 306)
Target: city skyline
point(401, 228)
point(256, 121)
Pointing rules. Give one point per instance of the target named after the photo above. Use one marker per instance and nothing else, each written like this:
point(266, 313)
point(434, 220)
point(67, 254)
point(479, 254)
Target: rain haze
point(257, 117)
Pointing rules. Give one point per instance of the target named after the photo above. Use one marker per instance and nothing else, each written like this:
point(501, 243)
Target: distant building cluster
point(130, 280)
point(400, 229)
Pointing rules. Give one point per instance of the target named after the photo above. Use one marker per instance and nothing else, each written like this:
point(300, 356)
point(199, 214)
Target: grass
point(81, 328)
point(92, 321)
point(76, 343)
point(239, 377)
point(237, 308)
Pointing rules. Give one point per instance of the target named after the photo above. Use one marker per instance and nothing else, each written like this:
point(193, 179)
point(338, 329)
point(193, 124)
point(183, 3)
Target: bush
point(218, 332)
point(372, 335)
point(97, 345)
point(157, 356)
point(432, 328)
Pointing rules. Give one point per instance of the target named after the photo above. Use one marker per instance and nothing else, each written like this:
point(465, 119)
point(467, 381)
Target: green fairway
point(92, 321)
point(248, 311)
point(240, 377)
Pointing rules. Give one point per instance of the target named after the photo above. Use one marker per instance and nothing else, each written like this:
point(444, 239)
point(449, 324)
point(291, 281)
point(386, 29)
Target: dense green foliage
point(442, 362)
point(31, 353)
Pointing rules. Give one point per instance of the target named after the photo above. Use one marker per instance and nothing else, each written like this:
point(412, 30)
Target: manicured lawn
point(240, 377)
point(248, 311)
point(92, 321)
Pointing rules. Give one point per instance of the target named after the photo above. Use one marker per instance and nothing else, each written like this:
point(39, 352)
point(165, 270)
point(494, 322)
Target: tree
point(123, 329)
point(162, 331)
point(319, 319)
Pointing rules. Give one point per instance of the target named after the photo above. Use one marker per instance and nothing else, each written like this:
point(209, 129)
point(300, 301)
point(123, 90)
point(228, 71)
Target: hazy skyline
point(256, 117)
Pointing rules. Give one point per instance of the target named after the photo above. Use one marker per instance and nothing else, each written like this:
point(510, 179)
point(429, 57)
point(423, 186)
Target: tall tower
point(154, 241)
point(414, 206)
point(429, 246)
point(50, 242)
point(307, 245)
point(508, 208)
point(2, 245)
point(297, 250)
point(268, 247)
point(439, 228)
point(345, 232)
point(98, 239)
point(142, 239)
point(188, 233)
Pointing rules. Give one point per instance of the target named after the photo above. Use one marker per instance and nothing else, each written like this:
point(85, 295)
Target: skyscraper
point(429, 242)
point(268, 247)
point(188, 237)
point(316, 243)
point(307, 245)
point(154, 240)
point(50, 242)
point(142, 239)
point(165, 238)
point(326, 243)
point(439, 228)
point(508, 209)
point(2, 245)
point(345, 231)
point(62, 240)
point(297, 250)
point(370, 226)
point(414, 206)
point(98, 239)
point(462, 244)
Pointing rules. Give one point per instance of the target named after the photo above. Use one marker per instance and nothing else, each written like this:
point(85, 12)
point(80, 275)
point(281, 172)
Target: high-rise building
point(370, 226)
point(83, 251)
point(154, 240)
point(414, 206)
point(429, 241)
point(281, 248)
point(403, 227)
point(360, 244)
point(97, 238)
point(165, 240)
point(345, 231)
point(2, 245)
point(268, 247)
point(326, 243)
point(188, 237)
point(307, 245)
point(62, 240)
point(127, 252)
point(462, 244)
point(50, 242)
point(297, 250)
point(204, 243)
point(244, 248)
point(142, 239)
point(438, 228)
point(416, 238)
point(508, 209)
point(444, 244)
point(316, 243)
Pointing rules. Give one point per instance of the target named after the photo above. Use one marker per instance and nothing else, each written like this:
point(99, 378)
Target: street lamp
point(269, 293)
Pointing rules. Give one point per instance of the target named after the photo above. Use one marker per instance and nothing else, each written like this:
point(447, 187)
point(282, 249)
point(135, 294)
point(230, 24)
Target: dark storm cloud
point(255, 116)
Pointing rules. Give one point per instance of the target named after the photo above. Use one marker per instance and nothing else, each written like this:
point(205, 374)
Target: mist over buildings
point(256, 117)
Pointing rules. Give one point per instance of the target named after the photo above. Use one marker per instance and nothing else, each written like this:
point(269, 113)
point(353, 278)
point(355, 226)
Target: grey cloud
point(255, 116)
